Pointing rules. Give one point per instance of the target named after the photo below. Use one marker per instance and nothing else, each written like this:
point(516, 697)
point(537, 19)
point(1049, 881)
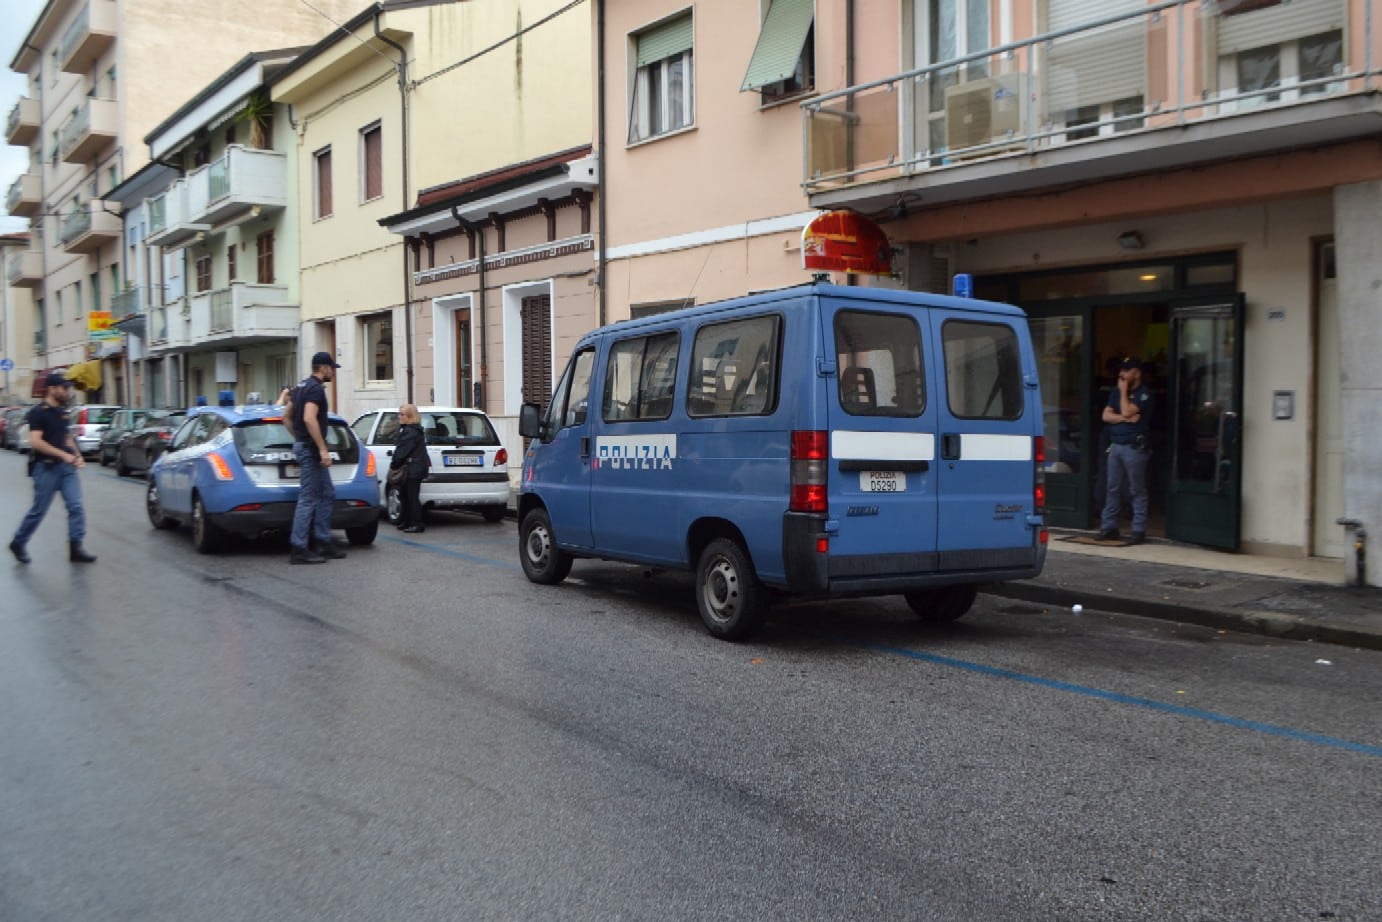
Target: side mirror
point(529, 423)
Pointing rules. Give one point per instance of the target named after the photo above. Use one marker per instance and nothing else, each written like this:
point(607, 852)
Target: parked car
point(121, 425)
point(88, 421)
point(140, 447)
point(10, 420)
point(469, 463)
point(231, 470)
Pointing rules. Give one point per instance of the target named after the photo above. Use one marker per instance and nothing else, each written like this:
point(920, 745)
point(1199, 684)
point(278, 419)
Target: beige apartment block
point(101, 74)
point(16, 320)
point(407, 99)
point(1190, 184)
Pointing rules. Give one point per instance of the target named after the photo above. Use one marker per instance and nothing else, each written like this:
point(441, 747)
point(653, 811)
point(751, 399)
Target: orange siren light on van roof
point(845, 241)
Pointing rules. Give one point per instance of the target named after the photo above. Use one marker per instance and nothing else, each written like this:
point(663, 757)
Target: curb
point(1271, 624)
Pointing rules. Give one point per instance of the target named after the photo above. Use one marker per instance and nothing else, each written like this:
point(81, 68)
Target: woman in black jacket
point(410, 455)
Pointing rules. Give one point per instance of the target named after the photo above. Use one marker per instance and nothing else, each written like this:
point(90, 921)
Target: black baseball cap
point(323, 358)
point(56, 379)
point(1129, 363)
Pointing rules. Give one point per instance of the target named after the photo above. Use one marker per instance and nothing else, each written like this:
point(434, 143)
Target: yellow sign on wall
point(98, 326)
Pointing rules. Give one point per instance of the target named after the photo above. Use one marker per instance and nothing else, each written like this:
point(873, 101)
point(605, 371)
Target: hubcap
point(155, 509)
point(721, 590)
point(395, 504)
point(539, 545)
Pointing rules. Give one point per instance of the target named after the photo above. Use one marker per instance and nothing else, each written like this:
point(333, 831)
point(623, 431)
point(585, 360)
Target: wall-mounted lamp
point(1131, 240)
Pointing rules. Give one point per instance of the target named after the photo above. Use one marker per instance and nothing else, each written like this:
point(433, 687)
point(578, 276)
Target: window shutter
point(264, 245)
point(537, 350)
point(324, 184)
point(1280, 23)
point(779, 43)
point(663, 41)
point(374, 163)
point(1098, 66)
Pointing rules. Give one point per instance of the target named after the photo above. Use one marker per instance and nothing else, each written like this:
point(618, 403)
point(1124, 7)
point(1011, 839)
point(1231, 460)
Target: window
point(321, 183)
point(640, 378)
point(372, 163)
point(264, 254)
point(110, 84)
point(230, 263)
point(734, 368)
point(378, 339)
point(362, 427)
point(663, 89)
point(1321, 57)
point(57, 310)
point(784, 60)
point(879, 357)
point(95, 291)
point(77, 298)
point(983, 374)
point(652, 308)
point(571, 399)
point(115, 282)
point(204, 272)
point(388, 429)
point(201, 156)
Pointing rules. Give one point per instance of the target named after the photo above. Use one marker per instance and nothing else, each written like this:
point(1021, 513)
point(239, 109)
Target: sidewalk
point(1293, 599)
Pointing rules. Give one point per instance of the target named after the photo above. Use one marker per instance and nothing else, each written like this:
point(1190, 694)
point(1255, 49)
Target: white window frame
point(656, 74)
point(367, 360)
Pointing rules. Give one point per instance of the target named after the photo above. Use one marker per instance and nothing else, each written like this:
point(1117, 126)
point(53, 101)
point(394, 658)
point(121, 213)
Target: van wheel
point(543, 562)
point(733, 603)
point(943, 605)
point(362, 535)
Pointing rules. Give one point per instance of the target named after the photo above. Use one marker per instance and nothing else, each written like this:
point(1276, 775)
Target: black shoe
point(19, 553)
point(77, 555)
point(1108, 534)
point(413, 530)
point(329, 552)
point(300, 555)
point(1138, 537)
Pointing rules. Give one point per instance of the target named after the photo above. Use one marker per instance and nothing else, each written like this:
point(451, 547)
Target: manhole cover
point(1186, 584)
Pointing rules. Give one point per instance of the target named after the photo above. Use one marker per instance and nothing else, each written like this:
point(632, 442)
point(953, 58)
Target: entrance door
point(1063, 364)
point(465, 394)
point(1206, 422)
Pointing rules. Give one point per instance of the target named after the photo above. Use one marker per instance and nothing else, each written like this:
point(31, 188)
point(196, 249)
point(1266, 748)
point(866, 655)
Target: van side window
point(571, 399)
point(881, 368)
point(983, 370)
point(734, 368)
point(640, 378)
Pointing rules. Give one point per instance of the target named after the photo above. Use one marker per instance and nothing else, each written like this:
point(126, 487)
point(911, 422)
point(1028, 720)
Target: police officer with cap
point(305, 414)
point(1129, 412)
point(56, 460)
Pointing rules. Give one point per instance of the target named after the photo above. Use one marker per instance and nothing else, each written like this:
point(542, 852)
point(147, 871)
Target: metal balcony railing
point(126, 302)
point(1141, 67)
point(222, 311)
point(75, 224)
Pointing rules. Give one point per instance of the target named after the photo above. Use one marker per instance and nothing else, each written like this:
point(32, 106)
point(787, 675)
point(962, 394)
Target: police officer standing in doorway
point(306, 411)
point(56, 460)
point(1129, 413)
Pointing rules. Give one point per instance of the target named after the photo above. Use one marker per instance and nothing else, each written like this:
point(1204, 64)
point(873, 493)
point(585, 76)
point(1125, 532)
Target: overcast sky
point(15, 22)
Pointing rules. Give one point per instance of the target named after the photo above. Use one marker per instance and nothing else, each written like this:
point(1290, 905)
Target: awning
point(780, 42)
point(86, 375)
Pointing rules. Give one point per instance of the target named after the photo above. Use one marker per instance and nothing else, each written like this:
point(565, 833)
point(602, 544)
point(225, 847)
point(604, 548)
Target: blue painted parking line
point(1317, 739)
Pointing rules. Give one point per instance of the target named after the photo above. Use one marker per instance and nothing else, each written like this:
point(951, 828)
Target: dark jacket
point(411, 450)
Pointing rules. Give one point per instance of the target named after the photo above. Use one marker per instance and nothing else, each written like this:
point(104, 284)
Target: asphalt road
point(419, 733)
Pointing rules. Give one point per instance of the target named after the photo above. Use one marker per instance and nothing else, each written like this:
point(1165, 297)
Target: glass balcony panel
point(25, 197)
point(89, 130)
point(854, 135)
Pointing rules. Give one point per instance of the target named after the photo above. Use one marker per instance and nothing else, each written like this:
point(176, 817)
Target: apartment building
point(101, 74)
point(426, 134)
point(16, 323)
point(1196, 184)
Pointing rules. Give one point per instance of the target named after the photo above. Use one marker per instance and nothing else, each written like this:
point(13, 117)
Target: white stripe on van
point(986, 447)
point(882, 446)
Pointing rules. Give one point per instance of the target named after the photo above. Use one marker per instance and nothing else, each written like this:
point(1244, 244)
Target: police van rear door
point(985, 446)
point(881, 475)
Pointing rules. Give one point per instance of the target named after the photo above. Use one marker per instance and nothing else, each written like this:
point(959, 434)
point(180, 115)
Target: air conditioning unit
point(919, 267)
point(980, 112)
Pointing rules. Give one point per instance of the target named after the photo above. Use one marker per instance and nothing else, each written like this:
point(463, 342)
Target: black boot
point(329, 551)
point(78, 555)
point(19, 553)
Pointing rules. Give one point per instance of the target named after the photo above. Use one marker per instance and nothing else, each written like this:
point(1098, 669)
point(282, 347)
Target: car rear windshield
point(458, 428)
point(265, 441)
point(99, 415)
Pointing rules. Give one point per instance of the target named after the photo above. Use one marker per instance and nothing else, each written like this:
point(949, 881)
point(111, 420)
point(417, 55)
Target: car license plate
point(456, 460)
point(290, 472)
point(882, 481)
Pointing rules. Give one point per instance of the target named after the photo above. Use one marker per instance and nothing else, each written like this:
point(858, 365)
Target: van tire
point(732, 602)
point(543, 562)
point(943, 605)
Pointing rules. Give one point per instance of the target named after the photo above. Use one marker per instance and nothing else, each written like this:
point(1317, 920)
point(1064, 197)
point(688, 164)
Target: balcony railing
point(89, 130)
point(1166, 65)
point(243, 313)
point(241, 183)
point(91, 33)
point(168, 326)
point(126, 302)
point(89, 227)
point(23, 123)
point(24, 268)
point(170, 221)
point(24, 198)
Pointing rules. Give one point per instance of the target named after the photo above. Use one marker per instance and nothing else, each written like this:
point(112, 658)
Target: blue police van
point(818, 441)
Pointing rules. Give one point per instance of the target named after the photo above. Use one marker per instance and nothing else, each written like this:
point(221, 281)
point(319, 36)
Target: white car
point(470, 466)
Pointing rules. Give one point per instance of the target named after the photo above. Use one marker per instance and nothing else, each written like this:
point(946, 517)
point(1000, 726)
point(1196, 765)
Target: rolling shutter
point(780, 43)
point(1281, 22)
point(1097, 66)
point(663, 41)
point(536, 323)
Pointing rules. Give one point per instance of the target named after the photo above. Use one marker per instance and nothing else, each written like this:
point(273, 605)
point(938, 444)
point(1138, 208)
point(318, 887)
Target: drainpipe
point(602, 266)
point(483, 382)
point(407, 272)
point(1360, 547)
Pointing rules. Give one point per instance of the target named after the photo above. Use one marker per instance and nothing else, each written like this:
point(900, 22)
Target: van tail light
point(370, 469)
point(1039, 477)
point(81, 418)
point(809, 451)
point(219, 467)
point(501, 457)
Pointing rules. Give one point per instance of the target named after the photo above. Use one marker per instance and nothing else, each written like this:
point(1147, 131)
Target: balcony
point(89, 130)
point(170, 223)
point(243, 314)
point(24, 120)
point(24, 268)
point(243, 183)
point(25, 198)
point(168, 327)
point(126, 302)
point(89, 228)
point(1167, 85)
point(91, 33)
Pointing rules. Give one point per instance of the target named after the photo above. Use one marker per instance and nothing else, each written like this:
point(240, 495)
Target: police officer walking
point(306, 411)
point(56, 460)
point(1129, 412)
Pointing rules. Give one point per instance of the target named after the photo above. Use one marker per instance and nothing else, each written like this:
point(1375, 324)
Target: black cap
point(56, 379)
point(1129, 363)
point(323, 358)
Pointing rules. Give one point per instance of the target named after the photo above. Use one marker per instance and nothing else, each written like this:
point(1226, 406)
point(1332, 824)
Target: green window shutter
point(779, 43)
point(663, 41)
